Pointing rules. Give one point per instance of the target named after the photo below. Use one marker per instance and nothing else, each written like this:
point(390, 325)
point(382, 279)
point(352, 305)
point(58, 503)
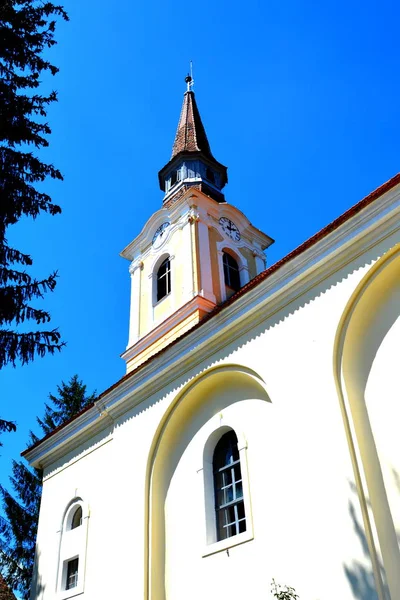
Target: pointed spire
point(190, 134)
point(192, 162)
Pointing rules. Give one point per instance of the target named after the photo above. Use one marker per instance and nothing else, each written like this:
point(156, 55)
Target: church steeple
point(190, 134)
point(194, 252)
point(192, 162)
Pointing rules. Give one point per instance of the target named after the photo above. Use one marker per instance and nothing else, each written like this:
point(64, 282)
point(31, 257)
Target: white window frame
point(72, 545)
point(211, 544)
point(226, 247)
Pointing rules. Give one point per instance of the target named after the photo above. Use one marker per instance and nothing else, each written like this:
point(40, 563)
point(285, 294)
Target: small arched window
point(231, 272)
point(228, 488)
point(164, 279)
point(76, 518)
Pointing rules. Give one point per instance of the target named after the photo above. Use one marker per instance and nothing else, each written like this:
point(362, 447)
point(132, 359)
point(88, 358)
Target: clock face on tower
point(161, 234)
point(230, 229)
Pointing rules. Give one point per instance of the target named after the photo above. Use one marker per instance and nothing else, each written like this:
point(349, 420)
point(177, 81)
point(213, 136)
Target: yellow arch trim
point(157, 439)
point(356, 458)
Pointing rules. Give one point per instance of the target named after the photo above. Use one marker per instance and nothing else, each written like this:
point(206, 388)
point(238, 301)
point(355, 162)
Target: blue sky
point(299, 99)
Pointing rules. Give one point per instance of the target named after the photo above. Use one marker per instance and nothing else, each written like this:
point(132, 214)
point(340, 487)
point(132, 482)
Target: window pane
point(77, 518)
point(237, 472)
point(242, 526)
point(221, 525)
point(163, 279)
point(231, 271)
point(239, 490)
point(240, 510)
point(228, 494)
point(72, 574)
point(230, 515)
point(227, 477)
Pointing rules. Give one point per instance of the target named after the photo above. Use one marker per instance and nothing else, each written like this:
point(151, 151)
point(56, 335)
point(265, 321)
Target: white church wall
point(367, 341)
point(146, 482)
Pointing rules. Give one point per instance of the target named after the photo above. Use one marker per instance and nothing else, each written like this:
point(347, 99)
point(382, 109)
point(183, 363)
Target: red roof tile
point(190, 135)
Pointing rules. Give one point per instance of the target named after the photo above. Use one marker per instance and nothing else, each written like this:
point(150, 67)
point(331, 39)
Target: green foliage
point(21, 505)
point(6, 426)
point(27, 30)
point(283, 593)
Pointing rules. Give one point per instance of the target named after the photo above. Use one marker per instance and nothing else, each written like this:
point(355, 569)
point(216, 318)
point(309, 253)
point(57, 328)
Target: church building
point(255, 434)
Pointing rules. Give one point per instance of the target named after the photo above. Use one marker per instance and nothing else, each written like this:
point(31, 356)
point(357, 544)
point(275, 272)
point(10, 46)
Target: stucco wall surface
point(145, 479)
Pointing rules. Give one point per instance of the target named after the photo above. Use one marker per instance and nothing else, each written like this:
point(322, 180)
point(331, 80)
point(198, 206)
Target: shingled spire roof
point(192, 162)
point(190, 134)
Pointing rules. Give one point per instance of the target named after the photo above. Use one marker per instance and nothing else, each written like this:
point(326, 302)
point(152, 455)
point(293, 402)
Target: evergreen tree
point(6, 426)
point(21, 505)
point(27, 30)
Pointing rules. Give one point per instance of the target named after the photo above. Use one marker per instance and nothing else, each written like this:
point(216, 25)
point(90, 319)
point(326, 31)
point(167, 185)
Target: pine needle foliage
point(27, 29)
point(21, 504)
point(6, 426)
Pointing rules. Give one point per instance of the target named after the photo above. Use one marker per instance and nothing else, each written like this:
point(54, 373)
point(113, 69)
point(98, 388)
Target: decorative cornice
point(194, 214)
point(135, 264)
point(196, 303)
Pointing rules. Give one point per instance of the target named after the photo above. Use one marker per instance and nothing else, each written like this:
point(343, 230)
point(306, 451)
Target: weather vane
point(189, 78)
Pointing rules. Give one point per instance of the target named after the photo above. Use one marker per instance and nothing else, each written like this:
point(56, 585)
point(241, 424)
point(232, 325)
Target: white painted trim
point(354, 237)
point(224, 545)
point(72, 544)
point(198, 302)
point(211, 546)
point(142, 243)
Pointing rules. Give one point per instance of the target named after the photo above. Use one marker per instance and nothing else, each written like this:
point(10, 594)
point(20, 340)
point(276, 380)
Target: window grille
point(231, 272)
point(72, 574)
point(164, 279)
point(228, 488)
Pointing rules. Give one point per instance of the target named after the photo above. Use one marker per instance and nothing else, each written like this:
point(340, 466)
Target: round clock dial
point(230, 229)
point(161, 234)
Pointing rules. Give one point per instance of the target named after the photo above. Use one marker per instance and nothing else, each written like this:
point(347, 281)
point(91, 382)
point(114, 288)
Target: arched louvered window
point(228, 488)
point(77, 518)
point(231, 272)
point(164, 279)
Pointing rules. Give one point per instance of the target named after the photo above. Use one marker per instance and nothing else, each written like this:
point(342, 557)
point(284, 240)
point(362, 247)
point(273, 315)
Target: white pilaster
point(135, 270)
point(244, 274)
point(220, 255)
point(206, 282)
point(187, 261)
point(260, 260)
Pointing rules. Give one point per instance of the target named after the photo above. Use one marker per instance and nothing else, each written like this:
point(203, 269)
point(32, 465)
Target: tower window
point(72, 574)
point(77, 518)
point(164, 279)
point(175, 176)
point(210, 175)
point(231, 272)
point(228, 488)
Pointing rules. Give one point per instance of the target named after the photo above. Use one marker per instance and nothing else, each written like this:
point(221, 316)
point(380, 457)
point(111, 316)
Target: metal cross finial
point(189, 78)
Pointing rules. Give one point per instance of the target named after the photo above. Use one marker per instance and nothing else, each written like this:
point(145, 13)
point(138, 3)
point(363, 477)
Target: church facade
point(255, 433)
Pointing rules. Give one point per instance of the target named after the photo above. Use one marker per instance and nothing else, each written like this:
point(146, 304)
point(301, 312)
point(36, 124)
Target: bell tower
point(194, 252)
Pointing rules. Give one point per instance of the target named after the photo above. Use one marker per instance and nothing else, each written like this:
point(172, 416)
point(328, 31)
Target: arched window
point(164, 279)
point(231, 272)
point(72, 549)
point(228, 488)
point(77, 518)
